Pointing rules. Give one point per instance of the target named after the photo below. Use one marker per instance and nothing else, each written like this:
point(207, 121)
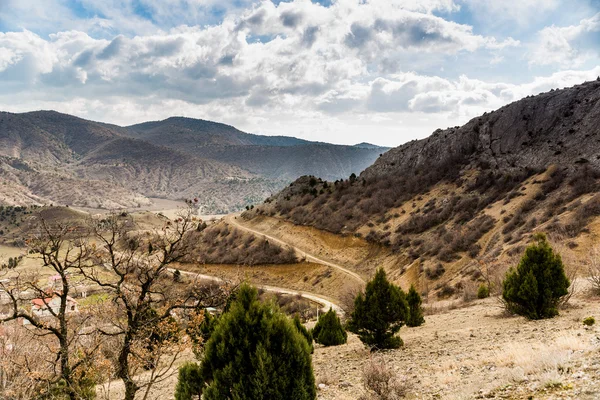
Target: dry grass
point(545, 365)
point(381, 382)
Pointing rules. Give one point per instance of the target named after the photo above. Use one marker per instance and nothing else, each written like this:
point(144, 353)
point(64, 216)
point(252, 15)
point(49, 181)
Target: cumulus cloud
point(288, 68)
point(568, 46)
point(300, 58)
point(458, 99)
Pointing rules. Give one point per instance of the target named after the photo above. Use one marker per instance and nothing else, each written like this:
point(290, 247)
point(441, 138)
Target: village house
point(44, 307)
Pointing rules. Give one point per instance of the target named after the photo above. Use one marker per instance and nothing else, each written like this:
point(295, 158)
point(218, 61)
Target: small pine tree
point(188, 382)
point(305, 332)
point(483, 291)
point(177, 276)
point(329, 330)
point(415, 311)
point(537, 285)
point(379, 313)
point(256, 352)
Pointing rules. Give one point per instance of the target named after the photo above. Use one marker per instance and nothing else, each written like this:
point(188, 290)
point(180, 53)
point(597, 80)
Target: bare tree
point(62, 251)
point(348, 296)
point(572, 266)
point(483, 268)
point(136, 270)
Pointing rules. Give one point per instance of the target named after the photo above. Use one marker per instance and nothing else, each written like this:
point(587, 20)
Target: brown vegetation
point(221, 243)
point(135, 333)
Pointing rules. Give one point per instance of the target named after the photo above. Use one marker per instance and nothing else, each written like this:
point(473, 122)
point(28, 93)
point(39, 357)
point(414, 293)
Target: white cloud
point(324, 73)
point(202, 64)
point(519, 12)
point(567, 46)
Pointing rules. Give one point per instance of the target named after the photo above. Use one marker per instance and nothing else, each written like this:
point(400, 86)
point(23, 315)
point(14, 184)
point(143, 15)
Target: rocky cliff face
point(557, 127)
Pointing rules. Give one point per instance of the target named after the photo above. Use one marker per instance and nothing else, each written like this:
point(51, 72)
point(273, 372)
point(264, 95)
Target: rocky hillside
point(47, 157)
point(469, 193)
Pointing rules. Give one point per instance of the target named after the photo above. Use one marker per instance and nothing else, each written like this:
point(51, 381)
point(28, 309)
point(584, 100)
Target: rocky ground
point(478, 352)
point(472, 352)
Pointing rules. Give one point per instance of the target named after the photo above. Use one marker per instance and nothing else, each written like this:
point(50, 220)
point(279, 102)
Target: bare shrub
point(557, 176)
point(381, 382)
point(348, 296)
point(446, 290)
point(584, 181)
point(435, 272)
point(594, 269)
point(491, 274)
point(469, 290)
point(572, 276)
point(582, 215)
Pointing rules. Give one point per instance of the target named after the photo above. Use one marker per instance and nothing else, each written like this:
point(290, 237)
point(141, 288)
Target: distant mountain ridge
point(274, 157)
point(49, 157)
point(202, 132)
point(365, 145)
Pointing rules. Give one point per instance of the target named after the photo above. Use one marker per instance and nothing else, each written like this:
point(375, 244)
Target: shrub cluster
point(483, 291)
point(223, 244)
point(582, 216)
point(589, 321)
point(350, 203)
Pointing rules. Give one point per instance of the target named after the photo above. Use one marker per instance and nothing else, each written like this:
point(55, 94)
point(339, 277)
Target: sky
point(341, 71)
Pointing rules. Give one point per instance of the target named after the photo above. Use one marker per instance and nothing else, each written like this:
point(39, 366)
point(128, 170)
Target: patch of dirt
point(477, 352)
point(353, 253)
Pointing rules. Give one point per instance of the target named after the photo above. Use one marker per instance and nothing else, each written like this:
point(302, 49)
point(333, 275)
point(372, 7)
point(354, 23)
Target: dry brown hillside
point(51, 158)
point(220, 243)
point(446, 207)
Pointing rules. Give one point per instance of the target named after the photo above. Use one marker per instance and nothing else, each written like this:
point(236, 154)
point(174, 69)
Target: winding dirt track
point(324, 302)
point(231, 219)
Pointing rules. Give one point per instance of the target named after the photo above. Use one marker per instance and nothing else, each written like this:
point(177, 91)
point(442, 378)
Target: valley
point(52, 158)
point(445, 222)
point(299, 200)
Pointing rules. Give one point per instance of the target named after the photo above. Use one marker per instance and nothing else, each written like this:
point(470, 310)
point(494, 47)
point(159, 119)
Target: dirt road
point(231, 219)
point(324, 302)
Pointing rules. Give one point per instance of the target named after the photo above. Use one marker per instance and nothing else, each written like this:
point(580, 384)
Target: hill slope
point(180, 131)
point(274, 157)
point(47, 157)
point(468, 193)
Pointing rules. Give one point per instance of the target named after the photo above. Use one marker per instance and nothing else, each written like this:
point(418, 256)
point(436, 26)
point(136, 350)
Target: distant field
point(168, 208)
point(161, 205)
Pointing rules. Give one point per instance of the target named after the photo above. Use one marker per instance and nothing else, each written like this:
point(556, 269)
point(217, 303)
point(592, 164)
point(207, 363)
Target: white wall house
point(41, 307)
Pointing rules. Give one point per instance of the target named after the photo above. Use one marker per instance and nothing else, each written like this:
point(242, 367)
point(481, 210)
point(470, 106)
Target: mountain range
point(48, 157)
